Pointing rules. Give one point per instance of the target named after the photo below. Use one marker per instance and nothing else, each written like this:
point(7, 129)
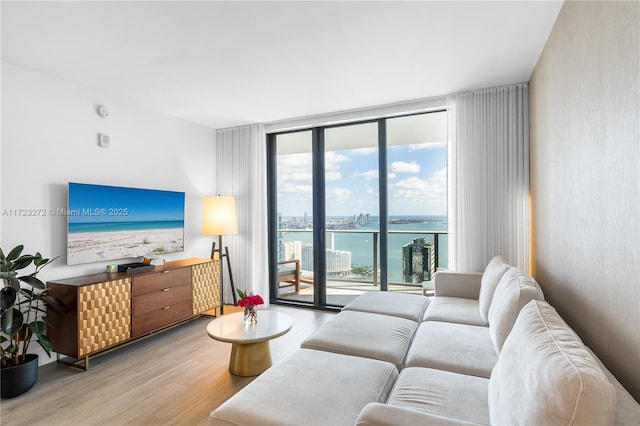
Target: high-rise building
point(307, 257)
point(418, 261)
point(338, 261)
point(280, 239)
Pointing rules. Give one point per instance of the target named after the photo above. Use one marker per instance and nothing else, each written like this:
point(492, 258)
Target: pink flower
point(249, 299)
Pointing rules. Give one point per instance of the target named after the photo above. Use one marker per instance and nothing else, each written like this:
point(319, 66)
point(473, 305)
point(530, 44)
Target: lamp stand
point(221, 255)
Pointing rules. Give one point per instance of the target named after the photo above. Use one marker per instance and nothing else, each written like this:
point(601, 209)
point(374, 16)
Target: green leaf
point(15, 284)
point(5, 275)
point(7, 298)
point(51, 302)
point(46, 344)
point(22, 262)
point(15, 252)
point(33, 281)
point(11, 321)
point(47, 321)
point(26, 292)
point(38, 328)
point(11, 350)
point(41, 263)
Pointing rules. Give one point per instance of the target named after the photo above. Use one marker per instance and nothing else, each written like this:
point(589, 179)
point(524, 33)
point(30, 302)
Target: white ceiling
point(223, 64)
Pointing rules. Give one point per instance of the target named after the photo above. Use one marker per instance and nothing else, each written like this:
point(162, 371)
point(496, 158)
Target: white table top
point(232, 329)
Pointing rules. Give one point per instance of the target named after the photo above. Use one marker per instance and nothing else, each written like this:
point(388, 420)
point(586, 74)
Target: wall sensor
point(103, 111)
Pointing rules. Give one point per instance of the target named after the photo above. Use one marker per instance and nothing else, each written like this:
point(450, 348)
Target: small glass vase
point(250, 315)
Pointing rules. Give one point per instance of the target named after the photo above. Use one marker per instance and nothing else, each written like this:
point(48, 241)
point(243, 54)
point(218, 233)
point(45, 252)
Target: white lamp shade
point(219, 216)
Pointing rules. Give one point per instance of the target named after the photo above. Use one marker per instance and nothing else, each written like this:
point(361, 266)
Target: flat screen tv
point(111, 223)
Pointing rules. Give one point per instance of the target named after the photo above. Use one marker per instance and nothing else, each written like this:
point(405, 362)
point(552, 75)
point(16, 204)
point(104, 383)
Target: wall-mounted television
point(112, 223)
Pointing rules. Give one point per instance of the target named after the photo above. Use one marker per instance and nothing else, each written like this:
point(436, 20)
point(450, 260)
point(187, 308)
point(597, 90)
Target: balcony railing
point(437, 238)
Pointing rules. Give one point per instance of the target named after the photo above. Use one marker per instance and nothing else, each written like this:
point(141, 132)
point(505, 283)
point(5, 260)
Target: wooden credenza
point(107, 309)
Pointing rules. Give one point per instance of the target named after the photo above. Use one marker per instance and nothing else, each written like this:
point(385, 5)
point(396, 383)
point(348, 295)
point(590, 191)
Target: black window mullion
point(272, 205)
point(319, 220)
point(382, 199)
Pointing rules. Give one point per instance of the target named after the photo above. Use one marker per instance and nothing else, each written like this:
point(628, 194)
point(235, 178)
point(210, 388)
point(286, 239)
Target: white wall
point(585, 178)
point(49, 137)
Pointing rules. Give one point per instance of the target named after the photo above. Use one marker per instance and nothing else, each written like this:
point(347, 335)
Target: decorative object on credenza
point(219, 219)
point(154, 260)
point(249, 301)
point(22, 318)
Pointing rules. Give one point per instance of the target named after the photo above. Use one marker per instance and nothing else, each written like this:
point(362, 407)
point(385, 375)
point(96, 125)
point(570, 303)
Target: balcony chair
point(289, 275)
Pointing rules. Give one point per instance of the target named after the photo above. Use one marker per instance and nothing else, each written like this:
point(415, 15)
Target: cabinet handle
point(166, 289)
point(165, 308)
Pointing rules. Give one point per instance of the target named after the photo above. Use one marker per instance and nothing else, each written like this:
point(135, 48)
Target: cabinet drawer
point(160, 280)
point(159, 318)
point(159, 299)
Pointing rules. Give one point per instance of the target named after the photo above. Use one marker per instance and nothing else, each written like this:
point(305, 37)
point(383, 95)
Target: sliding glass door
point(352, 204)
point(417, 191)
point(357, 207)
point(291, 204)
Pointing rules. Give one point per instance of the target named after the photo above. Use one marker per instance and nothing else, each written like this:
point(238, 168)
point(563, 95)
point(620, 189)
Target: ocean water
point(361, 244)
point(74, 228)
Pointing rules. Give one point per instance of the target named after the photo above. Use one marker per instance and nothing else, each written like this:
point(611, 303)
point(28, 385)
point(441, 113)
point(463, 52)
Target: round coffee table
point(250, 351)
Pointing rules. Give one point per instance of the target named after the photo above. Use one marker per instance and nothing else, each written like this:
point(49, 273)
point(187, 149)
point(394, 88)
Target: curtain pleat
point(489, 177)
point(242, 172)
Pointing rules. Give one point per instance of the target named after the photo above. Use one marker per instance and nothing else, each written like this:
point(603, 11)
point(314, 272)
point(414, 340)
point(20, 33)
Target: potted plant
point(22, 316)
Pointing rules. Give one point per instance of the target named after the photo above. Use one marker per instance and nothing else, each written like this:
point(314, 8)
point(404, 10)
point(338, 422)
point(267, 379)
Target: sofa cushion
point(545, 375)
point(457, 284)
point(378, 414)
point(376, 336)
point(514, 291)
point(454, 309)
point(302, 389)
point(488, 284)
point(451, 395)
point(286, 269)
point(403, 305)
point(459, 348)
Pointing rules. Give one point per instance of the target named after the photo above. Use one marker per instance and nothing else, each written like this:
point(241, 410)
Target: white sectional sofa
point(487, 349)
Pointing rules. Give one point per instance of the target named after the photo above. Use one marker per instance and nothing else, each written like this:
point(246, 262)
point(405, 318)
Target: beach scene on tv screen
point(113, 223)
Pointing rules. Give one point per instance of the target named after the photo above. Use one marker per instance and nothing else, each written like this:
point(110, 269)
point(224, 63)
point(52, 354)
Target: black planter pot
point(18, 379)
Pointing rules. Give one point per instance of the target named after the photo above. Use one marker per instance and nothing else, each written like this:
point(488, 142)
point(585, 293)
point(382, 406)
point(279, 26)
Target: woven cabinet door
point(104, 315)
point(206, 286)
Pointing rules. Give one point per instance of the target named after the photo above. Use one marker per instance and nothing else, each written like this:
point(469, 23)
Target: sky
point(417, 179)
point(99, 203)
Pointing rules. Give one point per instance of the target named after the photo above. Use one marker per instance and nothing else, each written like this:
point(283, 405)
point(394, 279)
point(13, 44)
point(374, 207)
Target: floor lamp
point(220, 219)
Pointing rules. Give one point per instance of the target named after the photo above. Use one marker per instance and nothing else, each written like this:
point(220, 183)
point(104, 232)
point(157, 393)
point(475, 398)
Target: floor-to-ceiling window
point(357, 207)
point(417, 192)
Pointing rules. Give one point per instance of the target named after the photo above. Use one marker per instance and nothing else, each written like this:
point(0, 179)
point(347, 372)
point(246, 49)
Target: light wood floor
point(173, 378)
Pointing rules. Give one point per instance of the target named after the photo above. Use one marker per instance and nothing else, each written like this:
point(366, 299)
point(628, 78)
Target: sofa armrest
point(379, 414)
point(626, 410)
point(458, 284)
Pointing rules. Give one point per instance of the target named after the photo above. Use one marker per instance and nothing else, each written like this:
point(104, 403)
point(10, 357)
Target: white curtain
point(241, 171)
point(489, 177)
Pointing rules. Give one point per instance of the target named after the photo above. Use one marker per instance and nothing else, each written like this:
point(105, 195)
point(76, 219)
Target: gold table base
point(250, 351)
point(249, 359)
